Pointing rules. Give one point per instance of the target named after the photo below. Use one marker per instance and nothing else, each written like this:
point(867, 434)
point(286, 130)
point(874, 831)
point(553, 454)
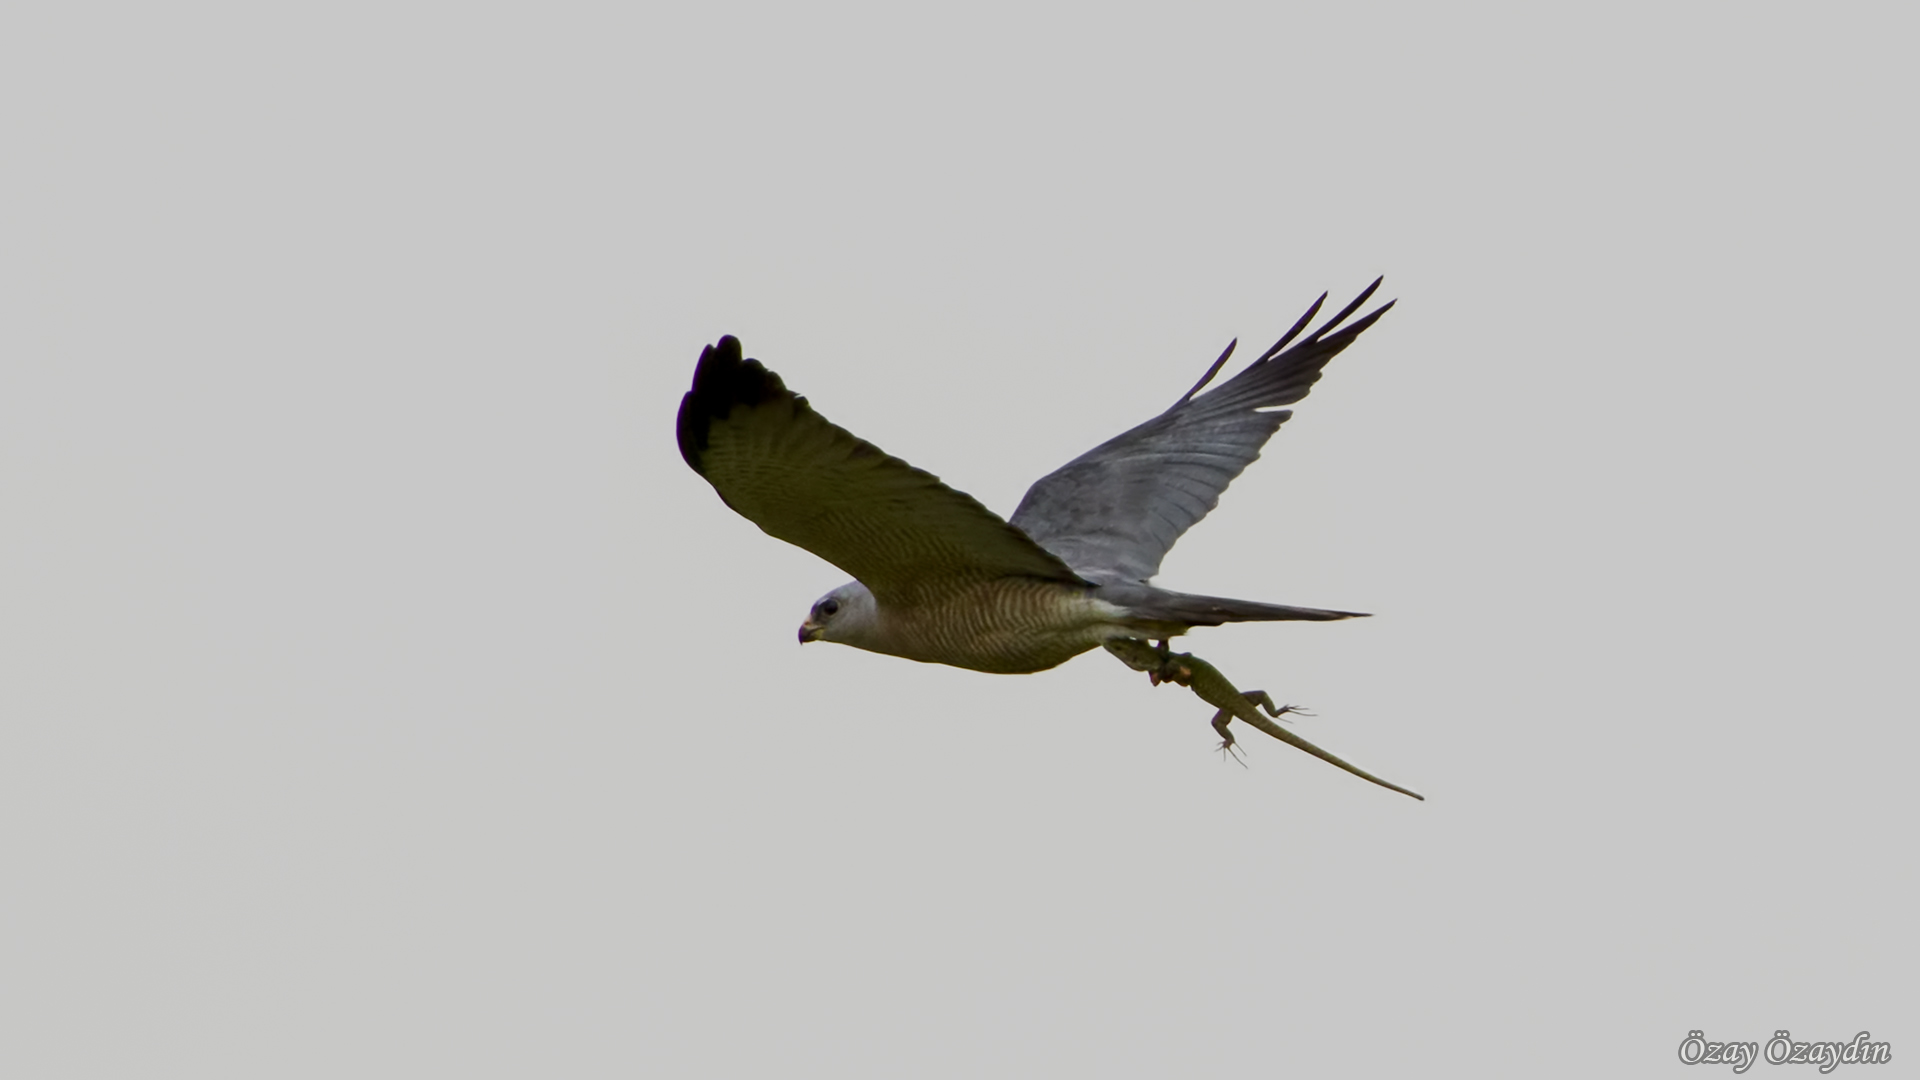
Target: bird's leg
point(1160, 664)
point(1213, 688)
point(1174, 667)
point(1170, 669)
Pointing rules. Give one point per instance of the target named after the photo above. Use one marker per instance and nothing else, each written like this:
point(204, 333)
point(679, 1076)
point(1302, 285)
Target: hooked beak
point(809, 631)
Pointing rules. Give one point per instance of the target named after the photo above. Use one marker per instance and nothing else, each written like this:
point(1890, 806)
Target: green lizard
point(1212, 687)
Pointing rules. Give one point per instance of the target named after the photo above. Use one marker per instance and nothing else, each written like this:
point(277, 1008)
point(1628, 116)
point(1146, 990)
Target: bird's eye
point(829, 607)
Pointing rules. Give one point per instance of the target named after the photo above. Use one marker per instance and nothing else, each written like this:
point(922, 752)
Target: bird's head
point(847, 615)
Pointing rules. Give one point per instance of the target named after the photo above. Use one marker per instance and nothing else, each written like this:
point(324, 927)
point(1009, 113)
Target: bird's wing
point(900, 531)
point(1113, 512)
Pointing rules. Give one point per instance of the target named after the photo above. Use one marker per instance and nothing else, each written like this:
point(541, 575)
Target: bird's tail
point(1166, 606)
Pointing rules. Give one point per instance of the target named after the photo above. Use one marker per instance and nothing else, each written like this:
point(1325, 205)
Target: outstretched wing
point(782, 466)
point(1113, 512)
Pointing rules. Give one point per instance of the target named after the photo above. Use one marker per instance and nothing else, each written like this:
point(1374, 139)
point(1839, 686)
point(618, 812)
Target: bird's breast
point(1004, 626)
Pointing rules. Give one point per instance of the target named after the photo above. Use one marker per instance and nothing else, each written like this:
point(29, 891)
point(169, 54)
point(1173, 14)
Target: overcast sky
point(381, 695)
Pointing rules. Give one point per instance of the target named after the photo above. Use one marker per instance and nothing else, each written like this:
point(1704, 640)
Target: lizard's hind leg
point(1225, 716)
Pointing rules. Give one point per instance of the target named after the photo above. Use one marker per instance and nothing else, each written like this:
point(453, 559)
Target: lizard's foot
point(1230, 749)
point(1227, 747)
point(1265, 701)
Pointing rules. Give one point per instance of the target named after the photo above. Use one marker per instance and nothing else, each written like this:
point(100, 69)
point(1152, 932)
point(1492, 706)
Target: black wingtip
point(1293, 333)
point(1208, 377)
point(1321, 335)
point(1350, 309)
point(1346, 336)
point(722, 380)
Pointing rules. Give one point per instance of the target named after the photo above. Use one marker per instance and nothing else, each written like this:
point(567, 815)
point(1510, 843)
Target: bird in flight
point(941, 579)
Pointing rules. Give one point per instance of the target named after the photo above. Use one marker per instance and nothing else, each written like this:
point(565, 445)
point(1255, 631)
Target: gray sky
point(380, 694)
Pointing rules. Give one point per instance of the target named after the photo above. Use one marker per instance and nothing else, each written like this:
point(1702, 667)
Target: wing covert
point(784, 467)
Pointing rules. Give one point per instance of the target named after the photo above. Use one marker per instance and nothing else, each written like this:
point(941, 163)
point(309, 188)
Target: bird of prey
point(941, 579)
